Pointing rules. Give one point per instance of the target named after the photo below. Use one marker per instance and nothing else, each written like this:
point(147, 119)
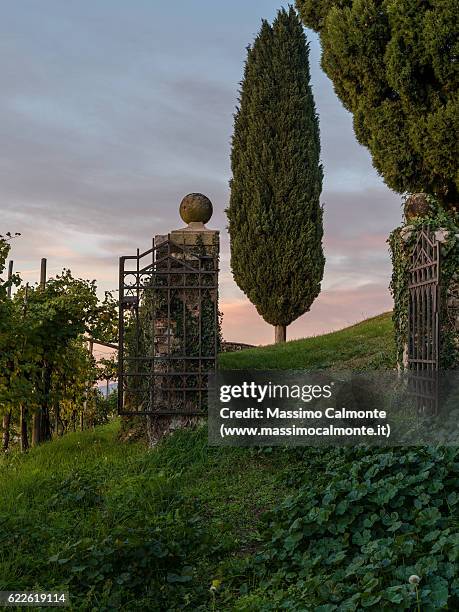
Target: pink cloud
point(363, 242)
point(333, 309)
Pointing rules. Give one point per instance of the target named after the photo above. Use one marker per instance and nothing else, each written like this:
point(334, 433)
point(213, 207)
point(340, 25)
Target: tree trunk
point(41, 428)
point(46, 424)
point(57, 419)
point(24, 436)
point(6, 431)
point(36, 429)
point(280, 333)
point(41, 431)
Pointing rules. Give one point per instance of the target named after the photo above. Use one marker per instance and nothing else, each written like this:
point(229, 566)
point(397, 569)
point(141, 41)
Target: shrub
point(374, 518)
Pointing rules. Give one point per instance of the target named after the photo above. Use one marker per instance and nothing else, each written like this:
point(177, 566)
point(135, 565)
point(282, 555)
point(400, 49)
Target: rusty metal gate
point(423, 320)
point(168, 329)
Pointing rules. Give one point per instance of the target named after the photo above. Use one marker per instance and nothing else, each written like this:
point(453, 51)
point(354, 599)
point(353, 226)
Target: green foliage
point(399, 291)
point(275, 217)
point(134, 529)
point(46, 370)
point(108, 368)
point(400, 253)
point(105, 408)
point(8, 328)
point(65, 309)
point(394, 67)
point(103, 561)
point(270, 529)
point(371, 519)
point(134, 561)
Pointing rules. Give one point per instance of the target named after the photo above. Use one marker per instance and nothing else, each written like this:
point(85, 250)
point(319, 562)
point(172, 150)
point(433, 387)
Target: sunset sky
point(113, 110)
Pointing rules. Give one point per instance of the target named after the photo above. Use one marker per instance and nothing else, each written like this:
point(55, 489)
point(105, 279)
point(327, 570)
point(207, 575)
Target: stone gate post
point(187, 337)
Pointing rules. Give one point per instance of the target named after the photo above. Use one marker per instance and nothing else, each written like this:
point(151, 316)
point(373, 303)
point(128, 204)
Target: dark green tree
point(395, 66)
point(275, 216)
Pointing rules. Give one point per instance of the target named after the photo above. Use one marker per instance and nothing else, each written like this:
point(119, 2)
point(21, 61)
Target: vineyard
point(48, 374)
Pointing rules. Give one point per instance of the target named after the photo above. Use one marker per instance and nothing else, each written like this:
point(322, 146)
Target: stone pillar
point(186, 328)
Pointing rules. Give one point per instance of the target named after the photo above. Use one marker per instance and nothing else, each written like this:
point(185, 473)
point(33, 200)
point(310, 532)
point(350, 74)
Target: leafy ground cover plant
point(353, 539)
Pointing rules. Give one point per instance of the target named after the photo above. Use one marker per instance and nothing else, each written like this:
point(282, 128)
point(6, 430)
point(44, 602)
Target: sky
point(113, 110)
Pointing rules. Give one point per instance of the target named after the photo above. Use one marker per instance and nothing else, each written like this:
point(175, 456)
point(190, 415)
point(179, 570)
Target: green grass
point(125, 528)
point(369, 344)
point(63, 499)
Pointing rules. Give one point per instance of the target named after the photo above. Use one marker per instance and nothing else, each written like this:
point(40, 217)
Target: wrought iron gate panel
point(423, 320)
point(168, 329)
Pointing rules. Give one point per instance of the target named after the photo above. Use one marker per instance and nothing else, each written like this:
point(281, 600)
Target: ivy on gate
point(401, 243)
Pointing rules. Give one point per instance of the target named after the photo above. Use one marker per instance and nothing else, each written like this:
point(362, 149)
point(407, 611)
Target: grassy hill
point(121, 527)
point(185, 526)
point(369, 344)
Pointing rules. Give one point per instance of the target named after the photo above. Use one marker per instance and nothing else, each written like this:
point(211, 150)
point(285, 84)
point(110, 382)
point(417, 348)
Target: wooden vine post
point(40, 422)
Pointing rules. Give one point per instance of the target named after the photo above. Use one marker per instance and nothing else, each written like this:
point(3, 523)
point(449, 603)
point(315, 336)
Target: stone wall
point(232, 347)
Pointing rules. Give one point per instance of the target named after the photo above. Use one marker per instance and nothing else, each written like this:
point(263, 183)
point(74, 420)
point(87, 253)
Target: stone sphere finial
point(196, 208)
point(416, 205)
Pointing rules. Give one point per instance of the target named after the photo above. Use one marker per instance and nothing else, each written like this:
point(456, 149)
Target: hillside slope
point(369, 344)
point(185, 526)
point(124, 528)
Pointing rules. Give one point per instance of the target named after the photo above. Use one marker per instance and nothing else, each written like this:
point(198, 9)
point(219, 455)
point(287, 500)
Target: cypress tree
point(275, 216)
point(394, 65)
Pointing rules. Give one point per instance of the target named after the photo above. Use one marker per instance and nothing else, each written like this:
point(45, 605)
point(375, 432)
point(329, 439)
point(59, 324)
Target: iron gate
point(423, 320)
point(168, 329)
